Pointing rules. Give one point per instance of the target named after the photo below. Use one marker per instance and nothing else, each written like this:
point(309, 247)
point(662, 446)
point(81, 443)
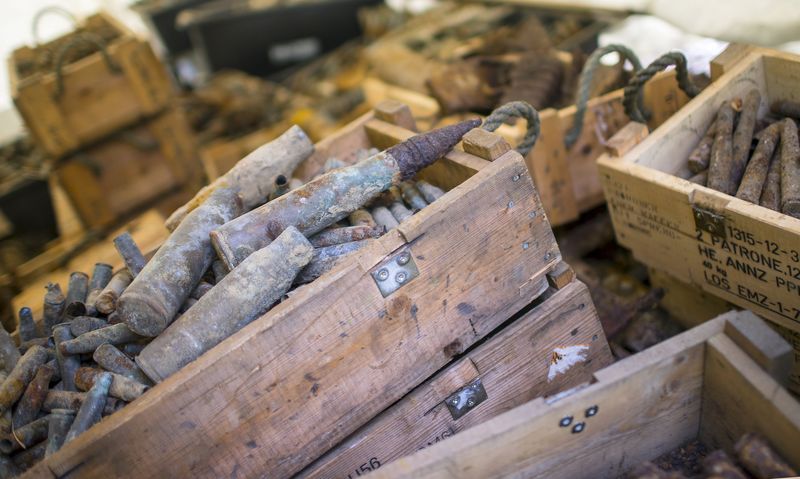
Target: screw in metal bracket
point(578, 428)
point(401, 277)
point(403, 259)
point(565, 421)
point(592, 411)
point(515, 178)
point(383, 274)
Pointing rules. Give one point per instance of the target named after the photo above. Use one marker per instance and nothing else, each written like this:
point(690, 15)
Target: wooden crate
point(219, 156)
point(289, 386)
point(516, 365)
point(714, 383)
point(740, 252)
point(98, 98)
point(129, 170)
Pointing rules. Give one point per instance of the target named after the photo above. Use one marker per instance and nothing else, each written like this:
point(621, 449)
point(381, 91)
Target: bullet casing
point(67, 363)
point(54, 304)
point(755, 174)
point(113, 360)
point(77, 292)
point(743, 136)
point(22, 374)
point(121, 387)
point(60, 422)
point(106, 302)
point(412, 196)
point(347, 234)
point(30, 404)
point(361, 217)
point(9, 354)
point(72, 400)
point(27, 326)
point(719, 169)
point(130, 253)
point(83, 324)
point(400, 212)
point(384, 217)
point(700, 157)
point(790, 169)
point(88, 342)
point(92, 407)
point(430, 192)
point(771, 193)
point(325, 259)
point(26, 436)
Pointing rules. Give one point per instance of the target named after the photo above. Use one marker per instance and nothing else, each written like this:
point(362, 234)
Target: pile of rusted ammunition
point(114, 335)
point(755, 458)
point(770, 176)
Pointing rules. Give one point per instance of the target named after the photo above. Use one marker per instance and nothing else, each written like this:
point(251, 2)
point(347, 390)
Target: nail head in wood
point(484, 144)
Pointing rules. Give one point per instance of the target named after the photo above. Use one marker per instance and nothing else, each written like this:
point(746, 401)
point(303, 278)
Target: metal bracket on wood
point(395, 272)
point(466, 399)
point(709, 221)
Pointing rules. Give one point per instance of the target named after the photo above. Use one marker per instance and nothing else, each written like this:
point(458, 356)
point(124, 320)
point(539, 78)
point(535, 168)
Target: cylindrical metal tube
point(743, 136)
point(281, 187)
point(333, 196)
point(106, 302)
point(700, 178)
point(719, 169)
point(27, 326)
point(325, 259)
point(720, 466)
point(758, 457)
point(757, 168)
point(361, 217)
point(347, 234)
point(121, 387)
point(429, 192)
point(73, 399)
point(400, 212)
point(26, 436)
point(76, 294)
point(130, 253)
point(54, 304)
point(113, 360)
point(92, 407)
point(790, 169)
point(244, 294)
point(84, 324)
point(31, 402)
point(384, 217)
point(67, 363)
point(88, 342)
point(60, 422)
point(412, 196)
point(150, 303)
point(22, 374)
point(9, 354)
point(100, 278)
point(700, 157)
point(771, 193)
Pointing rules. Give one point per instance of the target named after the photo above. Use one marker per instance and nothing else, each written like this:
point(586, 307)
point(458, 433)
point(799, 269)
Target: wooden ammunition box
point(555, 346)
point(129, 170)
point(78, 103)
point(713, 383)
point(297, 381)
point(738, 251)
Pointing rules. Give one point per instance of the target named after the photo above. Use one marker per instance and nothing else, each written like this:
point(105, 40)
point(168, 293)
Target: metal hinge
point(395, 272)
point(709, 221)
point(466, 399)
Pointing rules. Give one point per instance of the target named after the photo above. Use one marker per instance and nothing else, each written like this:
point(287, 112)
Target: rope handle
point(61, 57)
point(585, 84)
point(643, 76)
point(516, 109)
point(43, 12)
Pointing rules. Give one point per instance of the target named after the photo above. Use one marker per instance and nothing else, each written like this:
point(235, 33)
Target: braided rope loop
point(585, 84)
point(86, 37)
point(516, 109)
point(643, 76)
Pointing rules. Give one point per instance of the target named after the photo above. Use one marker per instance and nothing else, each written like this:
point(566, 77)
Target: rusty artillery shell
point(430, 192)
point(77, 291)
point(67, 363)
point(121, 387)
point(7, 468)
point(31, 402)
point(84, 324)
point(91, 408)
point(26, 436)
point(88, 342)
point(790, 169)
point(73, 399)
point(719, 168)
point(243, 295)
point(347, 234)
point(412, 196)
point(719, 465)
point(130, 253)
point(60, 422)
point(200, 290)
point(786, 108)
point(26, 458)
point(27, 326)
point(254, 175)
point(743, 136)
point(700, 178)
point(43, 342)
point(113, 360)
point(325, 259)
point(333, 196)
point(700, 157)
point(400, 212)
point(151, 301)
point(760, 460)
point(384, 217)
point(361, 217)
point(281, 187)
point(757, 168)
point(22, 374)
point(54, 304)
point(106, 302)
point(101, 276)
point(9, 354)
point(771, 193)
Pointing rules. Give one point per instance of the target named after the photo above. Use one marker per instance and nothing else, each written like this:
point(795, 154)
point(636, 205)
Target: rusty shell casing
point(101, 276)
point(9, 354)
point(200, 290)
point(27, 458)
point(333, 196)
point(743, 136)
point(31, 402)
point(325, 259)
point(771, 193)
point(113, 360)
point(53, 310)
point(106, 302)
point(130, 253)
point(72, 400)
point(254, 175)
point(67, 363)
point(755, 175)
point(7, 468)
point(412, 196)
point(361, 217)
point(133, 349)
point(151, 301)
point(760, 459)
point(700, 157)
point(25, 436)
point(22, 374)
point(84, 324)
point(719, 169)
point(43, 342)
point(88, 342)
point(790, 169)
point(60, 422)
point(281, 187)
point(122, 387)
point(27, 326)
point(347, 234)
point(400, 212)
point(719, 464)
point(384, 217)
point(5, 421)
point(700, 178)
point(242, 296)
point(430, 192)
point(92, 407)
point(786, 108)
point(77, 291)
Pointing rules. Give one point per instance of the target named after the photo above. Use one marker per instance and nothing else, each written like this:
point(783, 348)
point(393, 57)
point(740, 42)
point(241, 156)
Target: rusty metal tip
point(421, 150)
